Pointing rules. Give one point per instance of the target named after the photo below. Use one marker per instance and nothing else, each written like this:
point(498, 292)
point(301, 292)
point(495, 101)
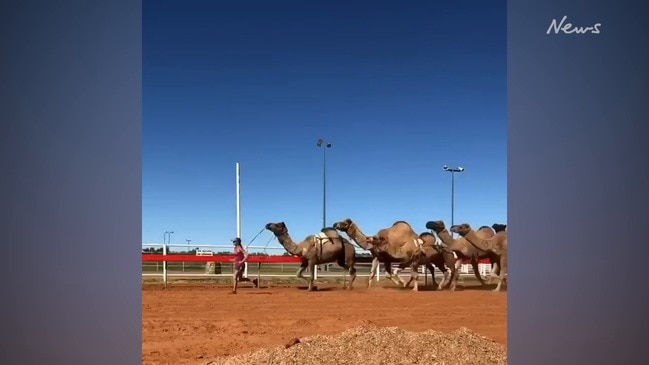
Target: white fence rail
point(321, 270)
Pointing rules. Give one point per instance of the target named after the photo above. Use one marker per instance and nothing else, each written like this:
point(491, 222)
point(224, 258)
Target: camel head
point(461, 229)
point(374, 241)
point(277, 228)
point(436, 226)
point(343, 225)
point(498, 227)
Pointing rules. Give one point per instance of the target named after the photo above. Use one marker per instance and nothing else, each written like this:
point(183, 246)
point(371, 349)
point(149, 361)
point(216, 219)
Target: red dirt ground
point(192, 324)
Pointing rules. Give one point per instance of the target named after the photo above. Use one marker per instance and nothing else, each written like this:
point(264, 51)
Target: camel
point(323, 248)
point(435, 253)
point(496, 245)
point(442, 257)
point(464, 249)
point(354, 232)
point(497, 227)
point(488, 232)
point(402, 243)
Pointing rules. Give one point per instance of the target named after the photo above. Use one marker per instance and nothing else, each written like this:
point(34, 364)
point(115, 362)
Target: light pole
point(166, 240)
point(324, 145)
point(453, 170)
point(188, 241)
point(168, 236)
point(170, 233)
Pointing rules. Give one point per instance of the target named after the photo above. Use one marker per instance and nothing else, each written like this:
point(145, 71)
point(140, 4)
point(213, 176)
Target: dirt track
point(189, 325)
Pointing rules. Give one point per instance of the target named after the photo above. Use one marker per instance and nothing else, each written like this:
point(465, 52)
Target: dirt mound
point(371, 344)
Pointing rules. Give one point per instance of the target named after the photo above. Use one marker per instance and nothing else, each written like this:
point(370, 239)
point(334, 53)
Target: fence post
point(164, 265)
point(245, 270)
point(315, 272)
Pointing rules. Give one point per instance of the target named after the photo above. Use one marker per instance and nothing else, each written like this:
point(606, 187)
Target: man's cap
point(236, 240)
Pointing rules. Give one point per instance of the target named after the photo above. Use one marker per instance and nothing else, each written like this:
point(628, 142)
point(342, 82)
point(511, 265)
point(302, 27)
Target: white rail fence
point(363, 269)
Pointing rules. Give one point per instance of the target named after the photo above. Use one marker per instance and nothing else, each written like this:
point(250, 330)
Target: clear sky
point(399, 90)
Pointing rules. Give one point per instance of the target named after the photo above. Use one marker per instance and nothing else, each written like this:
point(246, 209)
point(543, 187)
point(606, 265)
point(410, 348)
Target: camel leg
point(352, 276)
point(457, 266)
point(425, 262)
point(395, 276)
point(476, 272)
point(431, 268)
point(449, 262)
point(502, 275)
point(373, 270)
point(445, 279)
point(414, 275)
point(495, 271)
point(388, 272)
point(443, 265)
point(311, 276)
point(407, 283)
point(451, 283)
point(300, 272)
point(387, 265)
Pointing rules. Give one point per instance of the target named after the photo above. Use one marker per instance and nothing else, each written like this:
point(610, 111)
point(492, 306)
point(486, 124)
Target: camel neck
point(358, 236)
point(286, 241)
point(477, 241)
point(446, 237)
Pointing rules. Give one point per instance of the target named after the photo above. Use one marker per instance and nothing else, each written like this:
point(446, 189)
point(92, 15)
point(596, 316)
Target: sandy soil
point(190, 324)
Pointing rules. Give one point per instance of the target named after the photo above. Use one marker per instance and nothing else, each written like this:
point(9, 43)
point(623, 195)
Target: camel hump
point(321, 235)
point(401, 222)
point(426, 234)
point(483, 227)
point(328, 229)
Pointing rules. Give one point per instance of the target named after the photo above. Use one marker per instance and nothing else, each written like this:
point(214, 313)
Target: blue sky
point(399, 91)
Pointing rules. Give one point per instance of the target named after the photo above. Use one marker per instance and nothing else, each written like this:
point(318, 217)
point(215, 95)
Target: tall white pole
point(238, 172)
point(238, 200)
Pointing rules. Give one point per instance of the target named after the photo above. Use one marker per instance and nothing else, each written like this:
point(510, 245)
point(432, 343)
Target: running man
point(240, 258)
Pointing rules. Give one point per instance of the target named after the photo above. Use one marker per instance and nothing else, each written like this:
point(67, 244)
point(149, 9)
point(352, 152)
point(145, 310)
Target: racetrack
point(192, 324)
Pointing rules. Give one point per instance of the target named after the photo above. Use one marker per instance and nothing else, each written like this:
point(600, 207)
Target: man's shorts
point(239, 265)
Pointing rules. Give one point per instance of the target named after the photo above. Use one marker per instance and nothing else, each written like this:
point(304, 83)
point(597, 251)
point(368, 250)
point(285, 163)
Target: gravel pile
point(370, 344)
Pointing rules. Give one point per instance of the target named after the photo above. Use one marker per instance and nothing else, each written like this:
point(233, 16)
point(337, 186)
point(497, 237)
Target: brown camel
point(402, 243)
point(440, 255)
point(489, 232)
point(354, 232)
point(322, 248)
point(464, 249)
point(496, 244)
point(497, 227)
